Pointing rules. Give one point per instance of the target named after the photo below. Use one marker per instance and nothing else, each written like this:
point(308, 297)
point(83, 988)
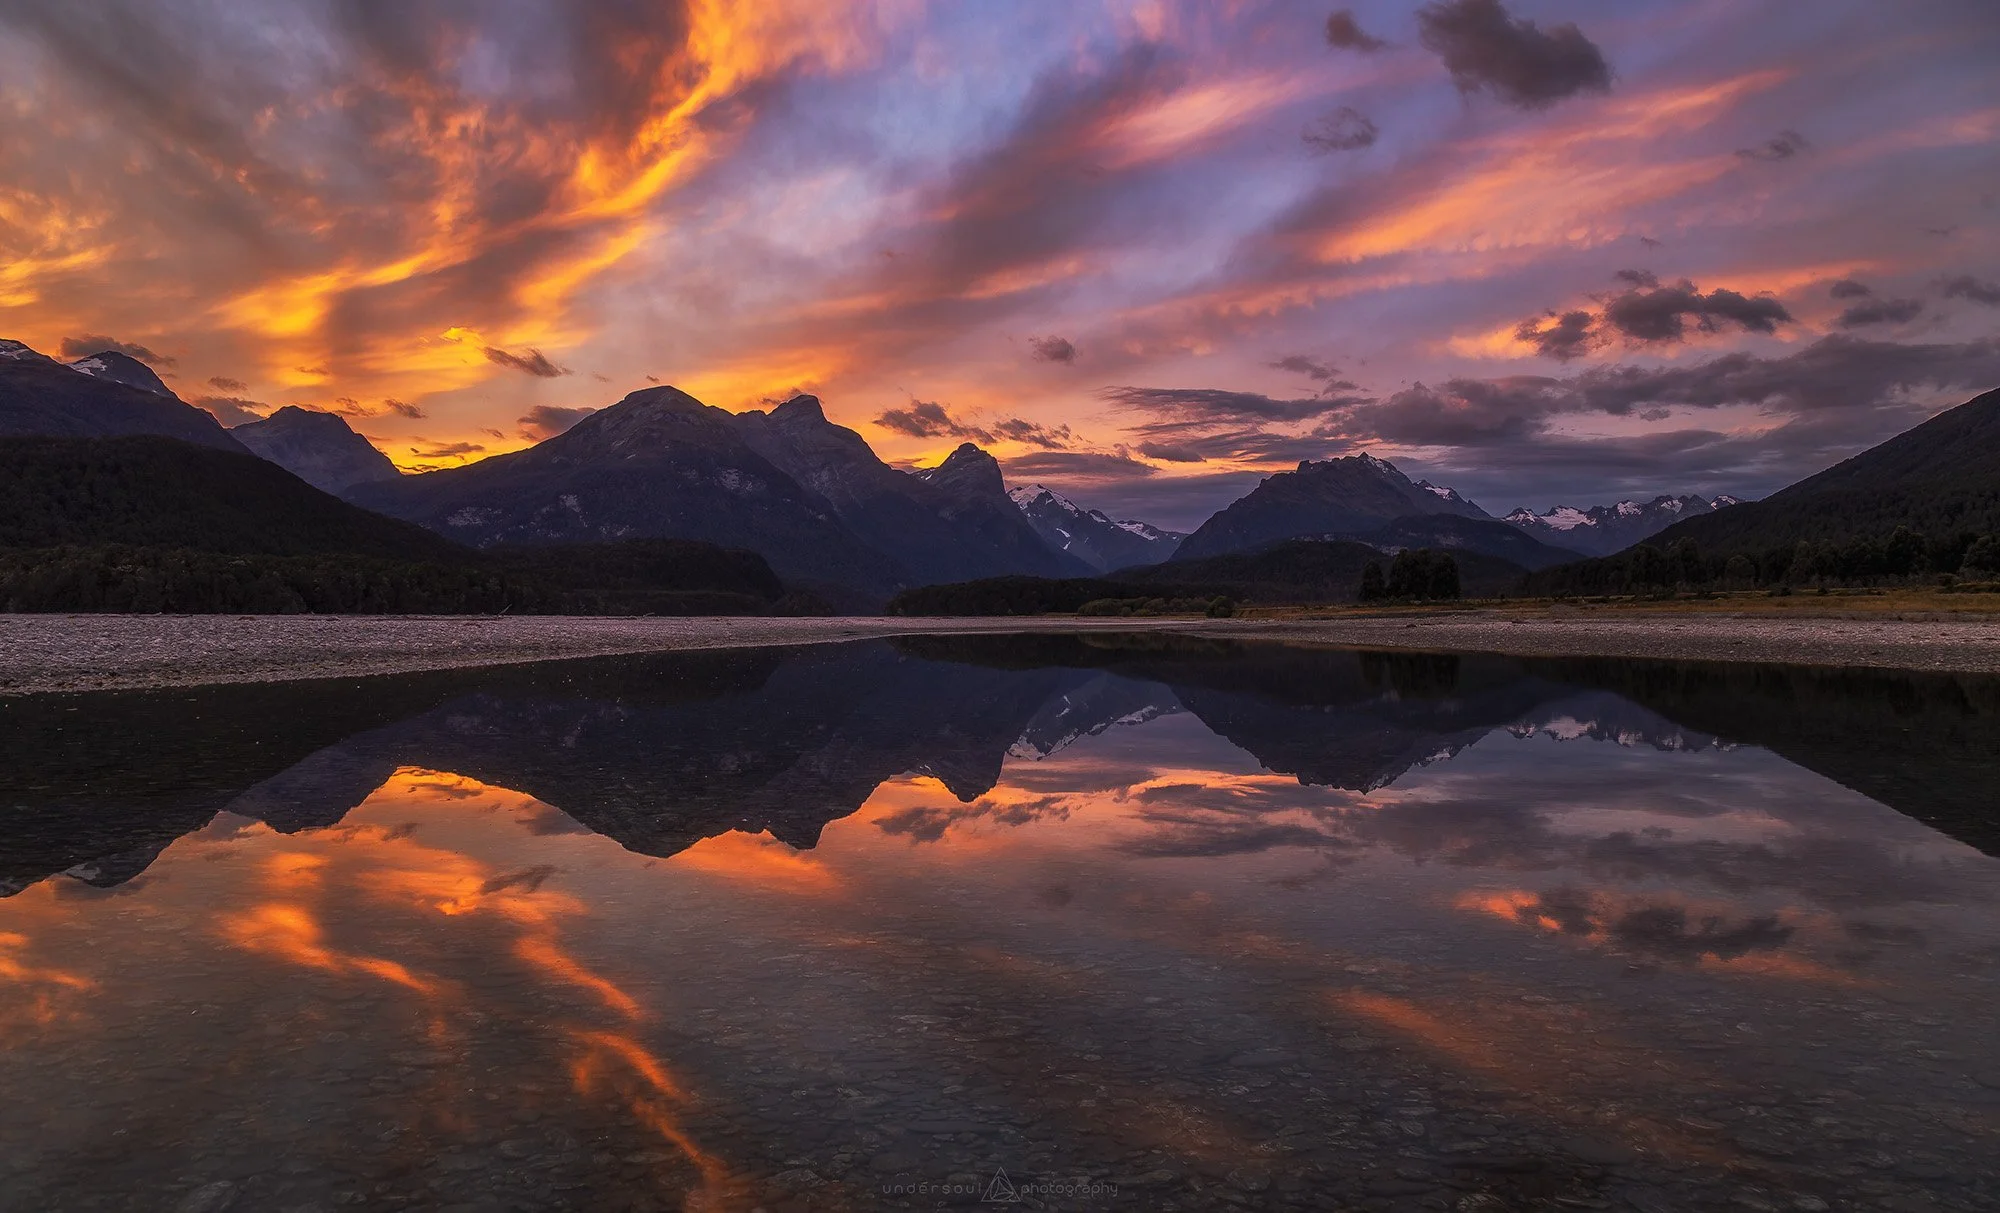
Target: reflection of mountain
point(654, 752)
point(657, 752)
point(806, 745)
point(1926, 745)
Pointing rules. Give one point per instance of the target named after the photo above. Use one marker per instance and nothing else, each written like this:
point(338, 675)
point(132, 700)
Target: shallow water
point(1083, 922)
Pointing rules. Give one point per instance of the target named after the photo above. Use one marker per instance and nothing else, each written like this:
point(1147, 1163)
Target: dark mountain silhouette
point(122, 368)
point(1348, 496)
point(1461, 535)
point(921, 525)
point(319, 448)
point(659, 463)
point(1939, 478)
point(1090, 535)
point(1603, 529)
point(151, 524)
point(145, 491)
point(975, 495)
point(41, 396)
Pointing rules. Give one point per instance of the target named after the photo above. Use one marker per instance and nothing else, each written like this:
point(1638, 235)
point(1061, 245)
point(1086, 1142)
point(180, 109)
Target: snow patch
point(89, 366)
point(1567, 518)
point(11, 349)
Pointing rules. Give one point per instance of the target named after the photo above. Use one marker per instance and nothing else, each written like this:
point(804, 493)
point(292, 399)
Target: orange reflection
point(41, 988)
point(290, 932)
point(761, 861)
point(610, 1062)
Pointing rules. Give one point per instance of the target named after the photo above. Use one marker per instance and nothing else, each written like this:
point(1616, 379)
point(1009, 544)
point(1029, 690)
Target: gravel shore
point(41, 653)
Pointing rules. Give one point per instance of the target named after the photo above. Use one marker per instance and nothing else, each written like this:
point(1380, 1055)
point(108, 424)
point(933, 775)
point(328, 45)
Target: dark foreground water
point(1071, 923)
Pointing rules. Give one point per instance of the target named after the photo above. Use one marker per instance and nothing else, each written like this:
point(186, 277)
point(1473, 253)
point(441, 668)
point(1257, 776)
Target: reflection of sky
point(1143, 896)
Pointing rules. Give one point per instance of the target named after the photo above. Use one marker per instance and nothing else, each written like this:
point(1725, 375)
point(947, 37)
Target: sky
point(1545, 251)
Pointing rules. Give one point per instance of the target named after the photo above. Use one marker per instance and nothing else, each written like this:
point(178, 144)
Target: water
point(1134, 923)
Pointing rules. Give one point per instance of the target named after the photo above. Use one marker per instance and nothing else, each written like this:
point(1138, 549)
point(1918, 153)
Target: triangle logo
point(1001, 1190)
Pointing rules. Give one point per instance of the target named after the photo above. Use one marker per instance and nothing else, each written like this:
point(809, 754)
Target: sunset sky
point(1145, 252)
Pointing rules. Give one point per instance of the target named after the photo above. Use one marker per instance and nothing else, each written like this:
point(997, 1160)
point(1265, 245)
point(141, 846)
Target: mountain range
point(1090, 535)
point(814, 500)
point(100, 396)
point(1600, 530)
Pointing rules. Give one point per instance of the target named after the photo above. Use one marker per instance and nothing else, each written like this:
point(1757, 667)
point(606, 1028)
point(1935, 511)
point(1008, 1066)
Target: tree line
point(1904, 556)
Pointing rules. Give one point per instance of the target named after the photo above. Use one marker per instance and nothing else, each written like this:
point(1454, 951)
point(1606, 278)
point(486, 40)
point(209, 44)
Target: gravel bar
point(40, 653)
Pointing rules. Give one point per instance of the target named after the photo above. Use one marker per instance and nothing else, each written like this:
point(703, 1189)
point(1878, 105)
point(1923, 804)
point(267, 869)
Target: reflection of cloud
point(925, 823)
point(1645, 926)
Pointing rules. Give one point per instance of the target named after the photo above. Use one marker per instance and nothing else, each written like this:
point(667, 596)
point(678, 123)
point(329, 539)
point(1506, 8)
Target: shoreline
point(68, 653)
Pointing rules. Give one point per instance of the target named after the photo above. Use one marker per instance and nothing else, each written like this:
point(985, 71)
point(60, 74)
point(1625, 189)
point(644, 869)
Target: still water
point(1064, 922)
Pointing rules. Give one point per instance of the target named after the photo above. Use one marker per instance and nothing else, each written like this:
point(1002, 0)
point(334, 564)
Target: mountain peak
point(803, 406)
point(13, 350)
point(967, 472)
point(122, 368)
point(319, 448)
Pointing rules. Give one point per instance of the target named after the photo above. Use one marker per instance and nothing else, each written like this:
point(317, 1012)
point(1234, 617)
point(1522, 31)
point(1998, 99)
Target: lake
point(1069, 922)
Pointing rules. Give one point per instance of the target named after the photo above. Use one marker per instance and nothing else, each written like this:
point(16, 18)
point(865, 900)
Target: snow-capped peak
point(1724, 499)
point(1380, 465)
point(1440, 491)
point(92, 365)
point(11, 349)
point(1027, 494)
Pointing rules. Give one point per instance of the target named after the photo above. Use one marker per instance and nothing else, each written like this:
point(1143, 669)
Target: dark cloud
point(1965, 286)
point(90, 343)
point(1880, 311)
point(1032, 433)
point(1052, 349)
point(1173, 452)
point(1077, 465)
point(232, 410)
point(532, 362)
point(1248, 444)
point(1217, 407)
point(1848, 288)
point(1325, 374)
point(402, 409)
point(1783, 146)
point(1486, 49)
point(1840, 395)
point(1650, 242)
point(1645, 278)
point(1563, 337)
point(1344, 130)
point(1344, 32)
point(929, 419)
point(1660, 313)
point(923, 419)
point(445, 450)
point(223, 383)
point(548, 420)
